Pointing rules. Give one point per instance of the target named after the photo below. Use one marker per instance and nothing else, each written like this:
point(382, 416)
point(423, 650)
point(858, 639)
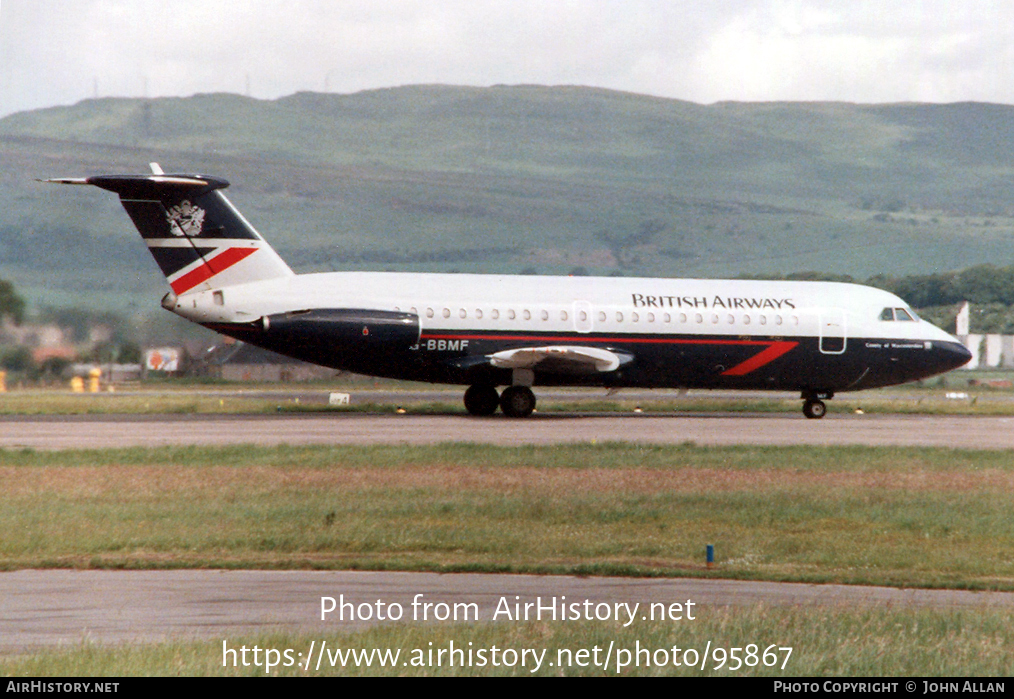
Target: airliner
point(516, 332)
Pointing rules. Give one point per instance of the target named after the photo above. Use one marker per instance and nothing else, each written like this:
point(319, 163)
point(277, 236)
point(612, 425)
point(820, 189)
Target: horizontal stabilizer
point(66, 180)
point(155, 185)
point(560, 357)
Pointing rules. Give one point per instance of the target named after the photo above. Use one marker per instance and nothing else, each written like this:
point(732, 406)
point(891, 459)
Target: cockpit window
point(898, 314)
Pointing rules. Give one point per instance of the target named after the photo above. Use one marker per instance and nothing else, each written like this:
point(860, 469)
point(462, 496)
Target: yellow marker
point(77, 385)
point(93, 380)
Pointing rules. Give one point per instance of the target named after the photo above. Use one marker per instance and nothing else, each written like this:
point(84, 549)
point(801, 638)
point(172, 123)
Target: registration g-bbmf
point(492, 331)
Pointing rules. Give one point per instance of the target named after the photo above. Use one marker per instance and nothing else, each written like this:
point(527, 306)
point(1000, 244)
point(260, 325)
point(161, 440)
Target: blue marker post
point(711, 555)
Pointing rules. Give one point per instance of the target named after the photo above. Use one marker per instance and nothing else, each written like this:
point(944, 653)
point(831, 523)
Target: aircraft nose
point(950, 355)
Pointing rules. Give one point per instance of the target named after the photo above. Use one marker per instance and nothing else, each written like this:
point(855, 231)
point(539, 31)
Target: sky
point(58, 52)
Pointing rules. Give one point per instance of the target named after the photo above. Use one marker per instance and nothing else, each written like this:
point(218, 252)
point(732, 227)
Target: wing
point(561, 359)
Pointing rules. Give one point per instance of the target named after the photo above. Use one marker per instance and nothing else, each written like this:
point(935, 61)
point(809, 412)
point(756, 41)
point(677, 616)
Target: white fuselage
point(458, 302)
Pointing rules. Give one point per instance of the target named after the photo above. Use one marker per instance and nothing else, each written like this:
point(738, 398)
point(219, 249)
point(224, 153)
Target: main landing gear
point(813, 407)
point(481, 400)
point(515, 401)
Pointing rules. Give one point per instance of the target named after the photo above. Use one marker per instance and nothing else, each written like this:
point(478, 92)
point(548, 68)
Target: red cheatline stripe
point(774, 348)
point(760, 359)
point(218, 263)
point(585, 339)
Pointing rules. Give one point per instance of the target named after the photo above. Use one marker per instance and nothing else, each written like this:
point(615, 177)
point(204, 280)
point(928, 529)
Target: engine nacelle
point(343, 338)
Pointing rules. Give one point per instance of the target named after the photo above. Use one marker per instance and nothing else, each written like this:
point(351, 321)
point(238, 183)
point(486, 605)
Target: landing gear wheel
point(517, 401)
point(814, 409)
point(481, 400)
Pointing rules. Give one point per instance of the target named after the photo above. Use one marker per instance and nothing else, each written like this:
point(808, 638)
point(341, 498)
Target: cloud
point(857, 51)
point(58, 52)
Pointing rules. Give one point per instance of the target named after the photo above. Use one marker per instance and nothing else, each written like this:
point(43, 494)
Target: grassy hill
point(544, 179)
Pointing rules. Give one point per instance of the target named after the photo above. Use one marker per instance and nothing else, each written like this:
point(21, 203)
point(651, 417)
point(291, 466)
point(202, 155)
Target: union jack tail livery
point(194, 233)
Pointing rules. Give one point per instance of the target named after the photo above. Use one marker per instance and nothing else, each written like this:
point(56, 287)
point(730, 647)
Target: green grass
point(899, 516)
point(894, 516)
point(825, 642)
point(61, 402)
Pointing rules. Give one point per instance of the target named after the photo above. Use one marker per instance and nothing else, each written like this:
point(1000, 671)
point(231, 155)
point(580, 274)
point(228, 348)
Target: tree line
point(981, 284)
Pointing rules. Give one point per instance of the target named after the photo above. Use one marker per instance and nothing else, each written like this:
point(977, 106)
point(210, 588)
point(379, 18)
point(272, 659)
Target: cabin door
point(832, 331)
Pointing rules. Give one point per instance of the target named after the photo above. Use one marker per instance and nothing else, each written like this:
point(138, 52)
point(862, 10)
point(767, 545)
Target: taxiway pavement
point(54, 607)
point(93, 432)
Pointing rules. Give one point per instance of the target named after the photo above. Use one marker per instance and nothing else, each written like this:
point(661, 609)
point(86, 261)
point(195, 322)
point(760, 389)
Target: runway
point(52, 607)
point(101, 431)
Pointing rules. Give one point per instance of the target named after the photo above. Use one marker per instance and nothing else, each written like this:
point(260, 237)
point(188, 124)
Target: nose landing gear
point(813, 407)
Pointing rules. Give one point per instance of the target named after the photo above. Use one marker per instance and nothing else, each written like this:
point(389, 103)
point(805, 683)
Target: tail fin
point(193, 232)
